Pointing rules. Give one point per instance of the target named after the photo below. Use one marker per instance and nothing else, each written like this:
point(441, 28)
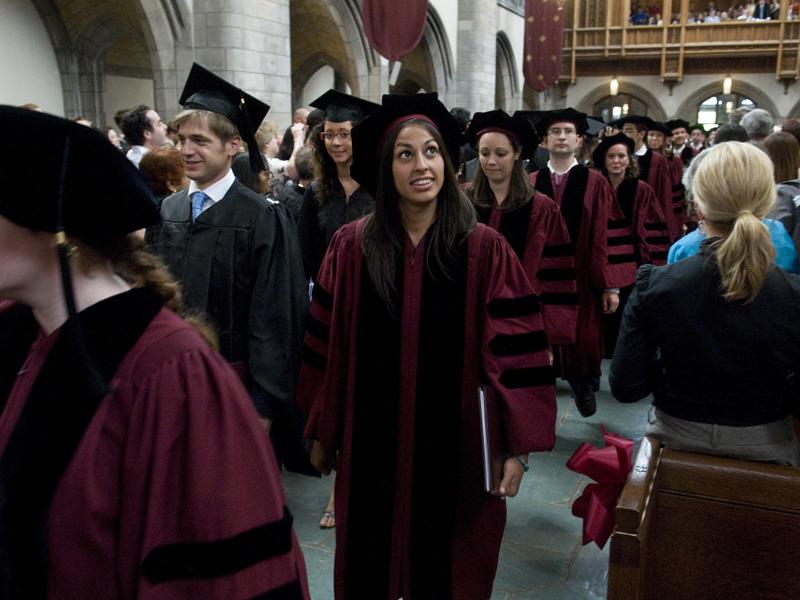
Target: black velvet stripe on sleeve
point(527, 377)
point(558, 250)
point(563, 298)
point(322, 297)
point(556, 274)
point(314, 358)
point(620, 240)
point(615, 259)
point(677, 209)
point(318, 329)
point(656, 227)
point(660, 239)
point(511, 308)
point(617, 223)
point(659, 255)
point(520, 343)
point(206, 560)
point(290, 591)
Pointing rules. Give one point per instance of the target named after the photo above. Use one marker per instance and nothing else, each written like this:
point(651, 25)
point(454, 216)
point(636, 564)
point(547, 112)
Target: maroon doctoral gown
point(538, 234)
point(651, 241)
point(164, 488)
point(397, 398)
point(654, 171)
point(604, 258)
point(678, 191)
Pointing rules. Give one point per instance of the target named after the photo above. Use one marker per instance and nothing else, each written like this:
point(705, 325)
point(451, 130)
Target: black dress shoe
point(584, 400)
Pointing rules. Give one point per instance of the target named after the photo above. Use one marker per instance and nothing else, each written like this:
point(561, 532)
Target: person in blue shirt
point(785, 253)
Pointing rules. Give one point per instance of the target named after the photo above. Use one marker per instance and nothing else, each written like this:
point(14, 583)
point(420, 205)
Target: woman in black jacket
point(716, 337)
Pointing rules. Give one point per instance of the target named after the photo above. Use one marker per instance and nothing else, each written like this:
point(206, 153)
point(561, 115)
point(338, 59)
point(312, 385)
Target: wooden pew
point(693, 526)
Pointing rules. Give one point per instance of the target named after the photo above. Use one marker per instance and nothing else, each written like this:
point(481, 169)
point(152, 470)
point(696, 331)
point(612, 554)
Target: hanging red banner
point(394, 28)
point(544, 39)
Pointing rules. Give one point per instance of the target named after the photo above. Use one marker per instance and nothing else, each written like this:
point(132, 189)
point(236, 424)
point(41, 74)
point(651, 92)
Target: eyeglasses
point(327, 136)
point(630, 130)
point(558, 131)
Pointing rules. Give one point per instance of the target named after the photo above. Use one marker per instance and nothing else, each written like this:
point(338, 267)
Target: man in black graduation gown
point(234, 253)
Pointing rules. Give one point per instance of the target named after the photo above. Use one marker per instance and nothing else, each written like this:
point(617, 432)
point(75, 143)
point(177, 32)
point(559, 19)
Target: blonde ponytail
point(734, 190)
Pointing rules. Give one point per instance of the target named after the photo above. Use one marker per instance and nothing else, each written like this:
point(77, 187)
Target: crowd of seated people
point(762, 10)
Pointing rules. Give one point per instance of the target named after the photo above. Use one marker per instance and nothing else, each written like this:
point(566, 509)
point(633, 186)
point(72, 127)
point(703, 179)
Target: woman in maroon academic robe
point(414, 308)
point(642, 215)
point(132, 461)
point(531, 222)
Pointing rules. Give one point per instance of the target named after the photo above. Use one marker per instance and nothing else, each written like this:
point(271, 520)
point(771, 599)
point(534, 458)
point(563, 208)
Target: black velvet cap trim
point(290, 591)
point(558, 250)
point(206, 560)
point(314, 358)
point(527, 377)
point(520, 343)
point(658, 255)
point(657, 239)
point(318, 329)
point(615, 259)
point(510, 308)
point(563, 298)
point(656, 227)
point(620, 240)
point(617, 223)
point(322, 297)
point(556, 274)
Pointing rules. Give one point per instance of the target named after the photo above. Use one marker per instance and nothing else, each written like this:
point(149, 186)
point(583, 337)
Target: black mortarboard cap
point(340, 107)
point(661, 128)
point(531, 116)
point(369, 136)
point(596, 125)
point(103, 194)
point(599, 153)
point(497, 120)
point(638, 120)
point(697, 126)
point(564, 115)
point(205, 91)
point(677, 124)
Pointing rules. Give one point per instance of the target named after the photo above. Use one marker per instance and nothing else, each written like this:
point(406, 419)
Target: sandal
point(328, 520)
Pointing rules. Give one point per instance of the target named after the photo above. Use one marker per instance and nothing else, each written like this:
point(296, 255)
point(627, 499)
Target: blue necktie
point(198, 200)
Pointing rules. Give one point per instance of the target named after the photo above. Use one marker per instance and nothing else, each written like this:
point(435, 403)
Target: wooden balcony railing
point(672, 43)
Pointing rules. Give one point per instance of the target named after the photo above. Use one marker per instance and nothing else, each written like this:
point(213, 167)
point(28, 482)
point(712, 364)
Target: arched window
point(611, 108)
point(715, 110)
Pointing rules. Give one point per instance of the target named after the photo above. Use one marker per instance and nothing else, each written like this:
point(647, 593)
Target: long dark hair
point(325, 171)
point(520, 189)
point(384, 235)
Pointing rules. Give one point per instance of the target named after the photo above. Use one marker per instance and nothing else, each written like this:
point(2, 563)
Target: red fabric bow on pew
point(609, 467)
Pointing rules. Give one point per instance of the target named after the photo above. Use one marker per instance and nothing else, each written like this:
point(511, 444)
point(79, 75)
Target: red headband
point(400, 120)
point(511, 135)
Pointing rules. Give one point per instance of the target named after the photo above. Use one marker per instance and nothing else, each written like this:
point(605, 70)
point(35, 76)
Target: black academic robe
point(318, 223)
point(239, 264)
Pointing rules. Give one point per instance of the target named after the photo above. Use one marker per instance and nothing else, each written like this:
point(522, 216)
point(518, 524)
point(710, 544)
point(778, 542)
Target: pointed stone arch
point(506, 90)
point(655, 109)
point(688, 108)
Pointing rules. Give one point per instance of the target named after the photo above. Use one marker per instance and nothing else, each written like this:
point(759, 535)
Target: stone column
point(477, 46)
point(243, 41)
